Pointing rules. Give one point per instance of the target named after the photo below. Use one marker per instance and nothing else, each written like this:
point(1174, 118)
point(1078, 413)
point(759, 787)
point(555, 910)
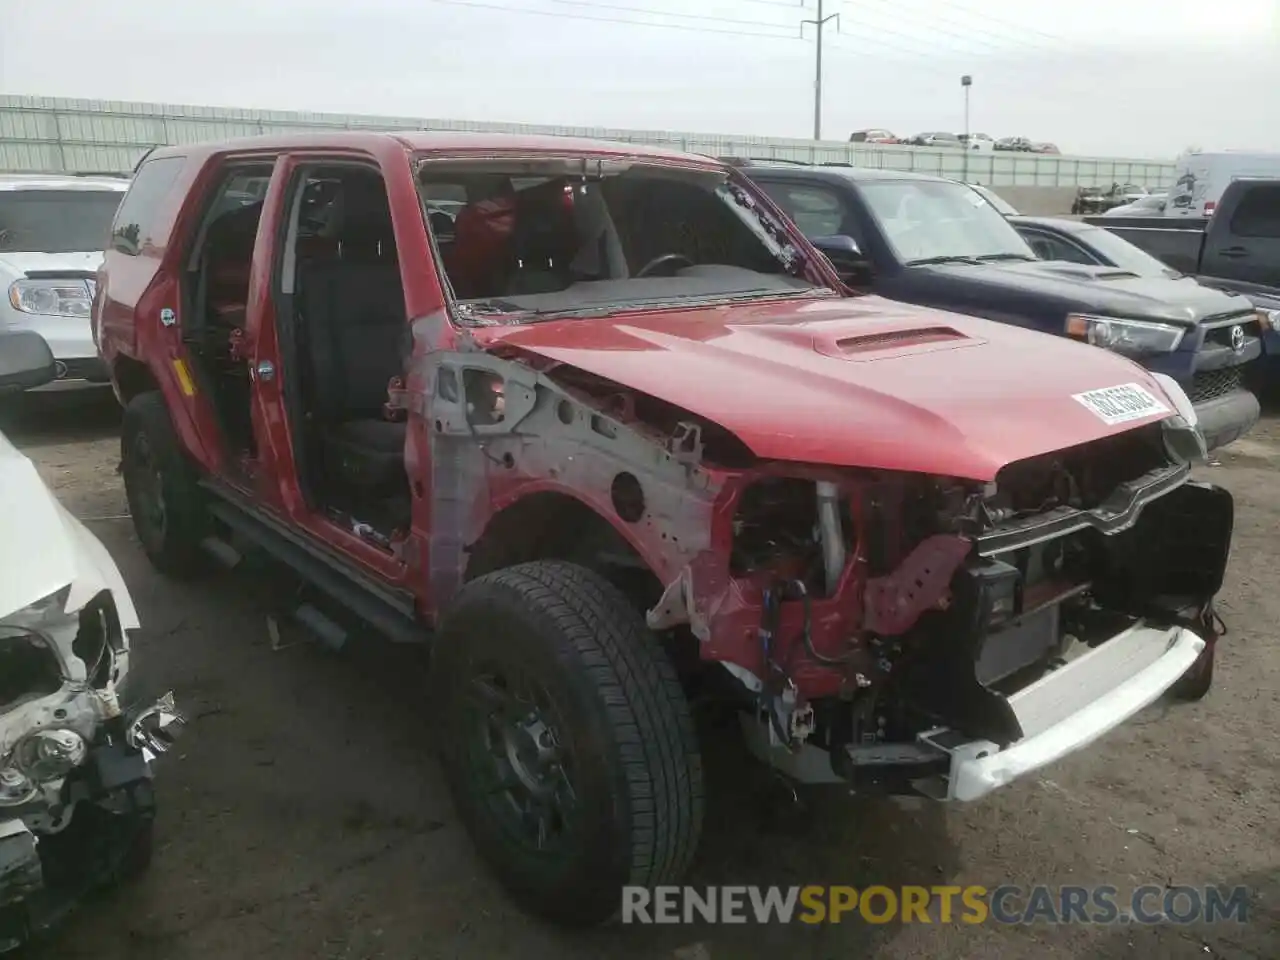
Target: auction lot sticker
point(1113, 405)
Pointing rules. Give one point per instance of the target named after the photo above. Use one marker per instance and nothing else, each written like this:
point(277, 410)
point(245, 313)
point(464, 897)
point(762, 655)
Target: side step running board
point(391, 612)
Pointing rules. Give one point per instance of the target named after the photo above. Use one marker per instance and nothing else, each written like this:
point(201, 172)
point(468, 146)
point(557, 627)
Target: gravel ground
point(303, 816)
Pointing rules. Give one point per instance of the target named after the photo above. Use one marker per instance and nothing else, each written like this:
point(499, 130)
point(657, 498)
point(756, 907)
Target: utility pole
point(966, 82)
point(819, 21)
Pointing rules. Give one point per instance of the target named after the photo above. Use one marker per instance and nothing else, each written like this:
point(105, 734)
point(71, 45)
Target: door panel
point(1249, 249)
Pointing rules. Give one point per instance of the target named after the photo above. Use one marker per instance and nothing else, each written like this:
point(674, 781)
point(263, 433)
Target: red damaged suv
point(601, 426)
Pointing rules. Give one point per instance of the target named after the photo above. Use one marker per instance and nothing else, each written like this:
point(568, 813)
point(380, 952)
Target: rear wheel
point(568, 743)
point(162, 488)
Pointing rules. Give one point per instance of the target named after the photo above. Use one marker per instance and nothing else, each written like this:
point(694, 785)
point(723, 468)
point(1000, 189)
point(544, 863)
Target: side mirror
point(25, 361)
point(847, 257)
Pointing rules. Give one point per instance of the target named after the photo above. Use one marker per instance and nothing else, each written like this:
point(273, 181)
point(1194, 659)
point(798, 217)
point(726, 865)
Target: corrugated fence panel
point(55, 134)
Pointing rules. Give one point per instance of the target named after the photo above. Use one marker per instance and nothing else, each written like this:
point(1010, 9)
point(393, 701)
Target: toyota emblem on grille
point(1237, 339)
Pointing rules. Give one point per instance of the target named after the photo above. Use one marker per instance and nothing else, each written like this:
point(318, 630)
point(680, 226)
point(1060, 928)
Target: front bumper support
point(42, 879)
point(1066, 709)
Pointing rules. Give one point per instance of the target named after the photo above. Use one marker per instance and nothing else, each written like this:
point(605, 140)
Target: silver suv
point(53, 229)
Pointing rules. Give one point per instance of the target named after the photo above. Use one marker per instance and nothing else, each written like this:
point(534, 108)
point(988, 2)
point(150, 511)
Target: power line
point(877, 43)
point(1002, 41)
point(480, 5)
point(986, 17)
point(879, 30)
point(594, 5)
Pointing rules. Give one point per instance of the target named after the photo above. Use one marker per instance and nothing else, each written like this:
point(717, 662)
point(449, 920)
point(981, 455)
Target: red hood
point(853, 382)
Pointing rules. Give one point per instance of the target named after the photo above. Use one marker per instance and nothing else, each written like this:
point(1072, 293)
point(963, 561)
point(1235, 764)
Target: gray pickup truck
point(1236, 250)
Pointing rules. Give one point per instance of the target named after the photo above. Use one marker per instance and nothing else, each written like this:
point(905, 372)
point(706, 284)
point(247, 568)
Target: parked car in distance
point(977, 141)
point(52, 233)
point(1044, 147)
point(1148, 205)
point(935, 242)
point(1097, 200)
point(1201, 178)
point(1015, 144)
point(585, 447)
point(939, 139)
point(873, 136)
point(1237, 249)
point(78, 800)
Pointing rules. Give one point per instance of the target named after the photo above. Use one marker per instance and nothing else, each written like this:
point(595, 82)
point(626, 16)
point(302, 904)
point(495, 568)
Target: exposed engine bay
point(904, 615)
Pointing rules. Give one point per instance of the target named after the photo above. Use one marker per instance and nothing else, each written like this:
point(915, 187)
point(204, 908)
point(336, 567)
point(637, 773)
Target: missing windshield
point(578, 236)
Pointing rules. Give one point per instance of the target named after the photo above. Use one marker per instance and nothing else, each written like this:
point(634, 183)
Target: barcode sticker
point(1121, 404)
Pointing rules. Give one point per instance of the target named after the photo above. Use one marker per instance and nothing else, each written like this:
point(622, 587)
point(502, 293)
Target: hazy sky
point(1134, 78)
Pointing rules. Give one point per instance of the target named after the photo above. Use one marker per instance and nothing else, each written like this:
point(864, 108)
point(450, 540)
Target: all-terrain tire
point(153, 463)
point(1196, 682)
point(635, 769)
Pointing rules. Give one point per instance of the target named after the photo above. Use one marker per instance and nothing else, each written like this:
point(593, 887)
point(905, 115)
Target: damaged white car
point(76, 805)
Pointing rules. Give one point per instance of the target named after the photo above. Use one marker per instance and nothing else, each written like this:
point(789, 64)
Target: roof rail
point(749, 161)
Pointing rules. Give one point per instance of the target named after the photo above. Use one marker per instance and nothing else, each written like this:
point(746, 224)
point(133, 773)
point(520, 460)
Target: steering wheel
point(665, 260)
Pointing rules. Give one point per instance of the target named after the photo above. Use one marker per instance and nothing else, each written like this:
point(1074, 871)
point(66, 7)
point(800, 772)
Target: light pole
point(819, 21)
point(966, 82)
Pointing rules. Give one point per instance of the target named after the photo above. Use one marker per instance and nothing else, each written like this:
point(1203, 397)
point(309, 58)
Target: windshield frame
point(752, 207)
point(867, 190)
point(90, 203)
point(993, 198)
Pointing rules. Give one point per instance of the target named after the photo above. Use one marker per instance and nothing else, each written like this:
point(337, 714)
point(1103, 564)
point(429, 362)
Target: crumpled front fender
point(43, 548)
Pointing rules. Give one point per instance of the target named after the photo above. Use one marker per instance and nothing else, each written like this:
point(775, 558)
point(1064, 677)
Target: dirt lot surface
point(304, 816)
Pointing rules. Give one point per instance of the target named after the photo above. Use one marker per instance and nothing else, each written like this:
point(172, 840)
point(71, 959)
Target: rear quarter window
point(1258, 214)
point(817, 211)
point(136, 217)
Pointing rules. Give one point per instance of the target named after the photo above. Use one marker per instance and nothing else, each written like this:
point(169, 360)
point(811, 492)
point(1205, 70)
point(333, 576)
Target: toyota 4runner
point(603, 427)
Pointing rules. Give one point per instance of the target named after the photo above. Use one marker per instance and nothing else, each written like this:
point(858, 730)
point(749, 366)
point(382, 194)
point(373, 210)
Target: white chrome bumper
point(1069, 708)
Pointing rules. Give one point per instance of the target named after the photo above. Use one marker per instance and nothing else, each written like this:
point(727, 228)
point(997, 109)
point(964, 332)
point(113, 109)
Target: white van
point(1200, 178)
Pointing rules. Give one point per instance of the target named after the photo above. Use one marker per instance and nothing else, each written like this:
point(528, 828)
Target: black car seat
point(357, 341)
point(544, 240)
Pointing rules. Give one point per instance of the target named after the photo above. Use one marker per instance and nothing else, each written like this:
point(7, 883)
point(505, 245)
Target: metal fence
point(48, 134)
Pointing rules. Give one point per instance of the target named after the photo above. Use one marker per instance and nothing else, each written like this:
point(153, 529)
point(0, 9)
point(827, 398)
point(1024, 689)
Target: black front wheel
point(567, 741)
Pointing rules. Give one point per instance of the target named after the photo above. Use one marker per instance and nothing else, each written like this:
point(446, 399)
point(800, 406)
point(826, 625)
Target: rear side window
point(1258, 214)
point(817, 211)
point(1049, 247)
point(137, 214)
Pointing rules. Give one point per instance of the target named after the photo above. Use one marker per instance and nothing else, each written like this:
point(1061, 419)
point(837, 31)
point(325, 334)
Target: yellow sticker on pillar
point(184, 378)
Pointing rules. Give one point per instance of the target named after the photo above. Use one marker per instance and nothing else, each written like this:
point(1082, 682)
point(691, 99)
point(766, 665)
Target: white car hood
point(18, 264)
point(43, 548)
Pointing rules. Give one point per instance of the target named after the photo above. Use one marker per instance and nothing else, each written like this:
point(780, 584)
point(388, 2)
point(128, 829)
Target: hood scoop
point(1071, 271)
point(894, 343)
